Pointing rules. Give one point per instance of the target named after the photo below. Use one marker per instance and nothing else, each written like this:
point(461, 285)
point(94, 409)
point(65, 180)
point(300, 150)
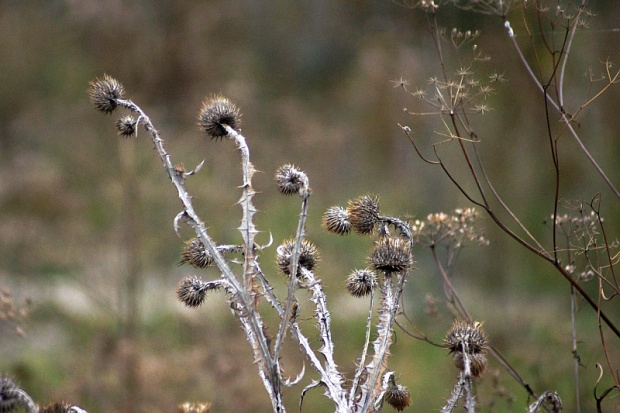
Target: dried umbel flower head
point(127, 126)
point(336, 220)
point(363, 213)
point(195, 254)
point(397, 396)
point(291, 181)
point(192, 290)
point(216, 112)
point(360, 283)
point(470, 338)
point(104, 93)
point(308, 256)
point(194, 407)
point(391, 255)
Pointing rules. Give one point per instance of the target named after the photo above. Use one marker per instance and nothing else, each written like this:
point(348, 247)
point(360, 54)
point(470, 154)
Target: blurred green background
point(86, 217)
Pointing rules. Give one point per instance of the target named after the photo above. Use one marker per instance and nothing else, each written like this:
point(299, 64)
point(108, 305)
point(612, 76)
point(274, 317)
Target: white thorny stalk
point(244, 294)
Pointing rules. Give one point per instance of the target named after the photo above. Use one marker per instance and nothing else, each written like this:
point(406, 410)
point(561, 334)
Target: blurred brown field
point(87, 241)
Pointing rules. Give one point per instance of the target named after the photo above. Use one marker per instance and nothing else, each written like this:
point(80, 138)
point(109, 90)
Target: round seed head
point(9, 394)
point(463, 335)
point(127, 126)
point(105, 92)
point(195, 254)
point(391, 255)
point(363, 213)
point(336, 220)
point(308, 256)
point(216, 112)
point(191, 291)
point(361, 282)
point(290, 180)
point(397, 396)
point(57, 407)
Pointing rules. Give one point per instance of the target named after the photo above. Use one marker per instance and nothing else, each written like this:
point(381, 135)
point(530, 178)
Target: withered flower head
point(105, 92)
point(472, 338)
point(361, 282)
point(363, 213)
point(397, 396)
point(127, 126)
point(9, 394)
point(308, 256)
point(195, 254)
point(194, 407)
point(290, 180)
point(60, 407)
point(216, 112)
point(336, 220)
point(391, 255)
point(192, 290)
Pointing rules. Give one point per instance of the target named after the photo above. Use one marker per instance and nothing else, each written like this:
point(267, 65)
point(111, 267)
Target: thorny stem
point(293, 281)
point(389, 308)
point(242, 302)
point(361, 366)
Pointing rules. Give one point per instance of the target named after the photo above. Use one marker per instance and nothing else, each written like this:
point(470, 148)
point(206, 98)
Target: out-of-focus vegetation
point(86, 217)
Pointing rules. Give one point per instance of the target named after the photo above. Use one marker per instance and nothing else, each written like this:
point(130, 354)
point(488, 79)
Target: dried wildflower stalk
point(455, 95)
point(296, 259)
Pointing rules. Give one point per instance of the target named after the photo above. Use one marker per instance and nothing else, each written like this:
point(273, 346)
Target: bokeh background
point(87, 245)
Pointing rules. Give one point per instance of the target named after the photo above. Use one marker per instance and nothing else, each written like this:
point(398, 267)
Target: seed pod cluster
point(469, 338)
point(308, 256)
point(217, 111)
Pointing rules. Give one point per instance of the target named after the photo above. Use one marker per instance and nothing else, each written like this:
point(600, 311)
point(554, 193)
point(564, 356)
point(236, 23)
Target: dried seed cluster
point(336, 221)
point(360, 283)
point(192, 290)
point(308, 256)
point(9, 394)
point(391, 255)
point(470, 338)
point(397, 396)
point(216, 112)
point(127, 126)
point(363, 213)
point(59, 407)
point(290, 180)
point(195, 254)
point(104, 93)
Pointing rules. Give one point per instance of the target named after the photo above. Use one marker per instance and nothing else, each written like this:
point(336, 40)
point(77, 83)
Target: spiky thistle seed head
point(336, 221)
point(60, 407)
point(360, 283)
point(391, 255)
point(397, 396)
point(192, 290)
point(308, 256)
point(104, 93)
point(290, 180)
point(194, 407)
point(127, 126)
point(217, 111)
point(363, 213)
point(195, 254)
point(9, 394)
point(472, 338)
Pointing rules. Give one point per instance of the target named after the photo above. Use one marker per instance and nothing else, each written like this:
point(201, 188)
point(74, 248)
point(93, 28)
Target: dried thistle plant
point(296, 258)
